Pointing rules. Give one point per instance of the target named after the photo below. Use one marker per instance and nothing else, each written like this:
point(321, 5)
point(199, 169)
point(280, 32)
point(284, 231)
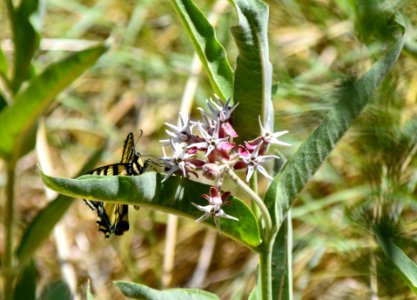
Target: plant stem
point(265, 270)
point(8, 225)
point(289, 254)
point(253, 183)
point(265, 255)
point(256, 199)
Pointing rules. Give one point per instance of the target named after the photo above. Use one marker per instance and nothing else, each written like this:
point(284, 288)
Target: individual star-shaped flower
point(212, 144)
point(253, 161)
point(221, 110)
point(182, 161)
point(221, 113)
point(267, 137)
point(182, 132)
point(216, 201)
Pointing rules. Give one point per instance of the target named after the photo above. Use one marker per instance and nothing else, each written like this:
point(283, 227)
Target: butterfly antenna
point(141, 133)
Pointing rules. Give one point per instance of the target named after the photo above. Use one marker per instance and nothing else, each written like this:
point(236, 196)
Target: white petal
point(224, 215)
point(279, 133)
point(265, 157)
point(170, 172)
point(276, 141)
point(217, 222)
point(203, 217)
point(249, 174)
point(173, 127)
point(264, 172)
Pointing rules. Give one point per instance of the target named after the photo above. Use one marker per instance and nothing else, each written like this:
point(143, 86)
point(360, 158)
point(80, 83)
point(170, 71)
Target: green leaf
point(174, 195)
point(406, 266)
point(253, 76)
point(311, 154)
point(26, 283)
point(26, 41)
point(140, 291)
point(208, 48)
point(39, 229)
point(41, 91)
point(57, 290)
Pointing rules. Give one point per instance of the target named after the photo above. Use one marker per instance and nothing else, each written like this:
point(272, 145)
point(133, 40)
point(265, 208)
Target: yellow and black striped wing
point(129, 151)
point(111, 217)
point(132, 158)
point(113, 170)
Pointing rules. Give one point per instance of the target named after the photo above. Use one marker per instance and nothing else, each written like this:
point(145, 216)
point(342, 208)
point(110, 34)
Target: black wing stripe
point(111, 217)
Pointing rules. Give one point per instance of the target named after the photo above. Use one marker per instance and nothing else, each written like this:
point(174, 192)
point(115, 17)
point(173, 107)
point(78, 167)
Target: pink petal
point(227, 146)
point(243, 151)
point(205, 196)
point(192, 150)
point(196, 162)
point(227, 127)
point(212, 156)
point(214, 192)
point(225, 195)
point(240, 165)
point(251, 145)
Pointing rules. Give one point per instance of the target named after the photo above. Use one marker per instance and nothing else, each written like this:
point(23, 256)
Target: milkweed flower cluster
point(207, 147)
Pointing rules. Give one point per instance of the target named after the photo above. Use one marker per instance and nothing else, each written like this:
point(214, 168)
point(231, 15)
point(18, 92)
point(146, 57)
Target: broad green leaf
point(39, 229)
point(311, 154)
point(375, 22)
point(253, 76)
point(405, 265)
point(25, 287)
point(57, 290)
point(174, 195)
point(30, 103)
point(140, 291)
point(26, 41)
point(208, 48)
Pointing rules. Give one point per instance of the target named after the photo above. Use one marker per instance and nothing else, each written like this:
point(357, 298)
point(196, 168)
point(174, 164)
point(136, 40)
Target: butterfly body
point(113, 217)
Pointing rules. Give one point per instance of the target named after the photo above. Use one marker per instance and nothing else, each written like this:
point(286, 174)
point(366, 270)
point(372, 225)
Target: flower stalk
point(254, 196)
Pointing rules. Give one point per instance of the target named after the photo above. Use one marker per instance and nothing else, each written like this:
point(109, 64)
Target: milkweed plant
point(212, 151)
point(235, 139)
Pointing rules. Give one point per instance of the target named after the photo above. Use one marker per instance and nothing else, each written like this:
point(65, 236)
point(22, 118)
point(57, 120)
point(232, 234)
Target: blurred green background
point(315, 47)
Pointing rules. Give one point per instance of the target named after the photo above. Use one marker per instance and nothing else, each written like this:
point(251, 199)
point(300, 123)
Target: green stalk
point(8, 225)
point(254, 196)
point(253, 183)
point(265, 269)
point(289, 254)
point(265, 255)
